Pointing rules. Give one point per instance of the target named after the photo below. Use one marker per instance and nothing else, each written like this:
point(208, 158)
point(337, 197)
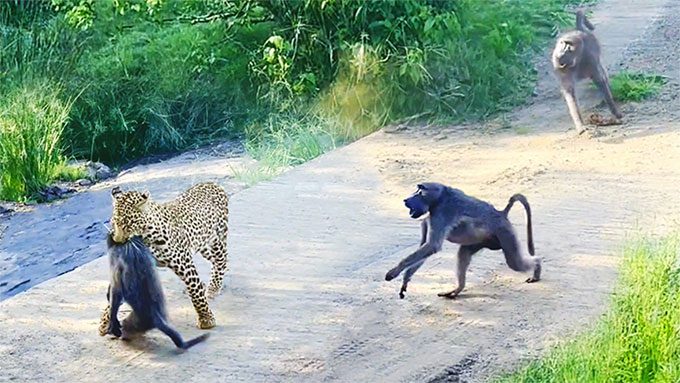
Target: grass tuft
point(32, 120)
point(637, 340)
point(70, 173)
point(628, 86)
point(283, 141)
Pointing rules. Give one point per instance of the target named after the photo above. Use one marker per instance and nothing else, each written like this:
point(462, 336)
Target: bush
point(32, 120)
point(637, 340)
point(449, 59)
point(152, 77)
point(157, 91)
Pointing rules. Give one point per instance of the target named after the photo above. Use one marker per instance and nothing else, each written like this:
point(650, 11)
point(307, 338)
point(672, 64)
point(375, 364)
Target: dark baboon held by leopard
point(196, 222)
point(469, 222)
point(576, 57)
point(134, 280)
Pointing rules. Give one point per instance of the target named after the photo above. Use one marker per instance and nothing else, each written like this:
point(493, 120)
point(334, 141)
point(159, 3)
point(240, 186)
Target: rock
point(5, 210)
point(54, 192)
point(98, 171)
point(84, 182)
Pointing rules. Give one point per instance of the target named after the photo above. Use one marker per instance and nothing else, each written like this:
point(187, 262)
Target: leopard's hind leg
point(215, 251)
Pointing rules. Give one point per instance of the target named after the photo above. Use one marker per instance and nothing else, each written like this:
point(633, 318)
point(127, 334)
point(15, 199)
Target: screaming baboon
point(134, 280)
point(576, 57)
point(469, 222)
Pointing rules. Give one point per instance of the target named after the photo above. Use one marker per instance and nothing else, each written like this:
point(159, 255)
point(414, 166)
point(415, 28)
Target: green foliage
point(448, 59)
point(637, 340)
point(34, 46)
point(31, 123)
point(160, 90)
point(154, 76)
point(628, 86)
point(252, 175)
point(284, 141)
point(70, 173)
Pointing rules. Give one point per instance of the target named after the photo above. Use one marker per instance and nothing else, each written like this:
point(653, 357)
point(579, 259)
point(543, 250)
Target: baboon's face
point(127, 213)
point(567, 53)
point(427, 196)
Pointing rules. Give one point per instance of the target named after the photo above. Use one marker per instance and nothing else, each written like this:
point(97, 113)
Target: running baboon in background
point(576, 57)
point(470, 222)
point(134, 280)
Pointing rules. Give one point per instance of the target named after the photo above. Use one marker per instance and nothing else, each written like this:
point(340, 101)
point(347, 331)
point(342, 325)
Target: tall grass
point(34, 46)
point(32, 120)
point(158, 90)
point(285, 141)
point(297, 78)
point(638, 340)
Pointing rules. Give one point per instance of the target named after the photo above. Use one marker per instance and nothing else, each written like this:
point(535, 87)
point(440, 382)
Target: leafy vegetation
point(32, 120)
point(293, 77)
point(637, 340)
point(628, 86)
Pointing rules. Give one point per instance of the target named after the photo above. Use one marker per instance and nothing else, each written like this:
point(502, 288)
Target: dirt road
point(305, 299)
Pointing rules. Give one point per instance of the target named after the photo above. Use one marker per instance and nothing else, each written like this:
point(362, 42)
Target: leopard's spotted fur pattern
point(197, 221)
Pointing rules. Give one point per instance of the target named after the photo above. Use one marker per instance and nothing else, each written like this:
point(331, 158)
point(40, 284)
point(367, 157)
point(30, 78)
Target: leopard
point(196, 221)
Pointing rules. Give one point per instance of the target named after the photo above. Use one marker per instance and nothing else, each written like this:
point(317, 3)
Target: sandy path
point(305, 297)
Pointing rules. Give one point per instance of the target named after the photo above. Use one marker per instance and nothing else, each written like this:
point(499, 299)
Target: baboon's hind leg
point(602, 82)
point(464, 257)
point(514, 258)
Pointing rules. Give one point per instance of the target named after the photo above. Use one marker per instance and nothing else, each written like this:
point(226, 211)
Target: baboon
point(469, 222)
point(134, 280)
point(576, 57)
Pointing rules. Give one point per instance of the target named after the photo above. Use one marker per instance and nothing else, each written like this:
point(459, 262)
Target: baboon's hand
point(392, 274)
point(401, 293)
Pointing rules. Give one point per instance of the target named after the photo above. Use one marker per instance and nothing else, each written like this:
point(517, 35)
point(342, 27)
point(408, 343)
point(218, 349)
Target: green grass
point(66, 172)
point(637, 340)
point(467, 63)
point(253, 175)
point(628, 86)
point(284, 141)
point(298, 78)
point(32, 120)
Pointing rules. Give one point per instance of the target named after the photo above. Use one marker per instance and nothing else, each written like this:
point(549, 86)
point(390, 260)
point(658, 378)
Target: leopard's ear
point(116, 192)
point(145, 199)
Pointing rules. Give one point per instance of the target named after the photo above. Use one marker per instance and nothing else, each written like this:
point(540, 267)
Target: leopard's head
point(127, 219)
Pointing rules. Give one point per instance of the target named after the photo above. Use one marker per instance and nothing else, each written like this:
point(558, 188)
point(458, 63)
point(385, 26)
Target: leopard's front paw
point(206, 322)
point(104, 322)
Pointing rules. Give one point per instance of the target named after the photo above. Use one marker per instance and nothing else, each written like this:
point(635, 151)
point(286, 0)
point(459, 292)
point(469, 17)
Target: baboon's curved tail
point(523, 200)
point(582, 22)
point(162, 325)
